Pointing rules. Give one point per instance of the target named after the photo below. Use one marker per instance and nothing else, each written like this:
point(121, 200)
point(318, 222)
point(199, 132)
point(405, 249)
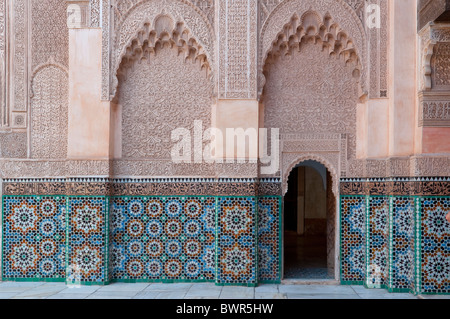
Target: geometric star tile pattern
point(34, 238)
point(236, 240)
point(269, 243)
point(435, 240)
point(163, 238)
point(87, 246)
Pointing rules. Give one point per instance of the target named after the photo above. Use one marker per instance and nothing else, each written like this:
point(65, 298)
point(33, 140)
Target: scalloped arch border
point(42, 66)
point(124, 52)
point(117, 58)
point(264, 49)
point(310, 157)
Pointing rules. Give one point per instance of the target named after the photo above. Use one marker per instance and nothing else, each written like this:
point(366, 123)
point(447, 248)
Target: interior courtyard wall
point(236, 53)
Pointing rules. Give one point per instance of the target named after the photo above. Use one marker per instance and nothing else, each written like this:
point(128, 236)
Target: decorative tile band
point(438, 186)
point(142, 187)
point(400, 243)
point(87, 232)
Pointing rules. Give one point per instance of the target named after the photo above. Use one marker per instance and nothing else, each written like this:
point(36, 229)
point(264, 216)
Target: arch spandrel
point(341, 13)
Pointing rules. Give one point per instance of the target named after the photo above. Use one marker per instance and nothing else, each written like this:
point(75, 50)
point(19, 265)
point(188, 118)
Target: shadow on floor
point(305, 257)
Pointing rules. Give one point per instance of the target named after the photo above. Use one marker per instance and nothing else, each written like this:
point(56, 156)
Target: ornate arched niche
point(165, 83)
point(131, 17)
point(49, 111)
point(333, 17)
point(311, 91)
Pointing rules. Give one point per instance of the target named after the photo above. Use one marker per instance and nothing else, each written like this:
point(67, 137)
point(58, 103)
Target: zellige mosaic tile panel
point(34, 238)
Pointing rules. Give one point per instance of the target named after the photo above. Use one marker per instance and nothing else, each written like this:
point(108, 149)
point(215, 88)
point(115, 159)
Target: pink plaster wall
point(89, 117)
point(436, 140)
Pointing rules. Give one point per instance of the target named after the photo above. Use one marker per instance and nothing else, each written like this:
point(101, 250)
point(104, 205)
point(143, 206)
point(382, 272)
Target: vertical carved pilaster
point(20, 55)
point(434, 95)
point(105, 49)
point(237, 49)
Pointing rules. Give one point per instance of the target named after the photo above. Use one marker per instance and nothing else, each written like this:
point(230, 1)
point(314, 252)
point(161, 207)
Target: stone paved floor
point(31, 290)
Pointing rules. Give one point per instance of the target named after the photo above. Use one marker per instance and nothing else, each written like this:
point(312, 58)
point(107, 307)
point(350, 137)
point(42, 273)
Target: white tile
point(267, 288)
point(69, 296)
point(124, 287)
point(269, 295)
point(229, 292)
point(40, 292)
point(147, 295)
point(113, 295)
point(168, 287)
point(7, 295)
point(81, 290)
point(171, 295)
point(315, 289)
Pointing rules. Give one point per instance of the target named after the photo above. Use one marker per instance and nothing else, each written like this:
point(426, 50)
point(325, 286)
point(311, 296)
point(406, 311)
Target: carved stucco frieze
point(430, 166)
point(50, 36)
point(13, 145)
point(20, 56)
point(94, 7)
point(441, 66)
point(378, 51)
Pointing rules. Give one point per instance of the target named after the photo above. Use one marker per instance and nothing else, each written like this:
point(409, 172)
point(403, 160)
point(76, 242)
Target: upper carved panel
point(130, 17)
point(162, 91)
point(441, 66)
point(344, 19)
point(50, 36)
point(49, 106)
point(310, 90)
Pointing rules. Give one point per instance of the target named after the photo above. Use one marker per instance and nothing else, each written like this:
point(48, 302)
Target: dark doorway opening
point(309, 213)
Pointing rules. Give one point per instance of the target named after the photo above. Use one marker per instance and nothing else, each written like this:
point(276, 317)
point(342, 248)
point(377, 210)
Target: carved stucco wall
point(50, 37)
point(312, 96)
point(159, 95)
point(49, 109)
point(341, 12)
point(130, 16)
point(441, 66)
point(40, 40)
point(32, 34)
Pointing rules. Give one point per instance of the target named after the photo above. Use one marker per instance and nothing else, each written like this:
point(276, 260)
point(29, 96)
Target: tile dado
point(87, 233)
point(400, 243)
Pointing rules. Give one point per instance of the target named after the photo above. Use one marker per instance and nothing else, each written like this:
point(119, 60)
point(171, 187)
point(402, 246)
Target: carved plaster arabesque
point(343, 15)
point(165, 84)
point(237, 33)
point(3, 60)
point(129, 17)
point(319, 93)
point(434, 97)
point(49, 110)
point(441, 66)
